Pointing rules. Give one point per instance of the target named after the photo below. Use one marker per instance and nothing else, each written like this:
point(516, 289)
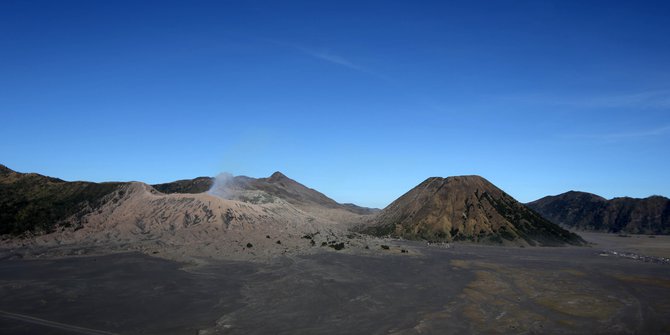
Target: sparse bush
point(385, 247)
point(249, 245)
point(278, 242)
point(495, 239)
point(337, 246)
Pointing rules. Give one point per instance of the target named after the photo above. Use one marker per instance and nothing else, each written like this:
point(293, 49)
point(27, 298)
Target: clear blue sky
point(360, 100)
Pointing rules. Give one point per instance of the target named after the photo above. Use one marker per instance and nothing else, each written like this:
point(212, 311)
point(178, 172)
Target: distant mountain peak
point(277, 176)
point(574, 192)
point(591, 212)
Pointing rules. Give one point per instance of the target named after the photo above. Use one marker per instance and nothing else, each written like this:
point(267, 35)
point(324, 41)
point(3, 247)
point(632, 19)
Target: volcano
point(466, 208)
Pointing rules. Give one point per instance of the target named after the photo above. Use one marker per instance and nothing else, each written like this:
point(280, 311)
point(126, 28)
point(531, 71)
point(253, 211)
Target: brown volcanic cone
point(466, 208)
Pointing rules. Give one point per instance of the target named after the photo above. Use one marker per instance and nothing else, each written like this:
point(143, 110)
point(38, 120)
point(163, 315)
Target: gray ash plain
point(429, 290)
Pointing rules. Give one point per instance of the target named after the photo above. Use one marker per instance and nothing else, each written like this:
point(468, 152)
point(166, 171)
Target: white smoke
point(222, 186)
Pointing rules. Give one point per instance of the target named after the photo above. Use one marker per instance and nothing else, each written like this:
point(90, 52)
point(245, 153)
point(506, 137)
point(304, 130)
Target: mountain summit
point(277, 176)
point(262, 190)
point(466, 208)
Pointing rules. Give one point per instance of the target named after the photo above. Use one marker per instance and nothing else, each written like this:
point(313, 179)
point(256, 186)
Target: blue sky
point(360, 100)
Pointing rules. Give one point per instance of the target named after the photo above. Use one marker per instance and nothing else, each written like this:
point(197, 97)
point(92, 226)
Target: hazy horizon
point(358, 100)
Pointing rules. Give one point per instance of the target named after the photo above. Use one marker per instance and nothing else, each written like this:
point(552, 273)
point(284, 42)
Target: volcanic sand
point(428, 289)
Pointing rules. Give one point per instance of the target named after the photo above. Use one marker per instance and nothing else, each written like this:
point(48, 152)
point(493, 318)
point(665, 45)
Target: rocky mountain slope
point(466, 208)
point(260, 190)
point(586, 211)
point(34, 203)
point(246, 216)
point(52, 212)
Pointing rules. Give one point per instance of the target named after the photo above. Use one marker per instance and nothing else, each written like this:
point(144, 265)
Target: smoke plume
point(222, 186)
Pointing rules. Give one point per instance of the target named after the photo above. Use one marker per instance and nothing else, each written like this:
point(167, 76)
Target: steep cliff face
point(466, 208)
point(590, 212)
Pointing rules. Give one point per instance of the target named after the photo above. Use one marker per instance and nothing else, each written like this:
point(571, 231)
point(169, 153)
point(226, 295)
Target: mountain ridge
point(38, 204)
point(454, 208)
point(590, 212)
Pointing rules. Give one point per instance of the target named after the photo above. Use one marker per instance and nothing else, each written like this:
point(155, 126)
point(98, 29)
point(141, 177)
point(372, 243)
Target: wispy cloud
point(654, 99)
point(332, 58)
point(326, 55)
point(647, 99)
point(622, 135)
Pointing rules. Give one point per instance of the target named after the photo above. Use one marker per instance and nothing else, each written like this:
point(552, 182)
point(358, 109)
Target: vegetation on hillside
point(38, 204)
